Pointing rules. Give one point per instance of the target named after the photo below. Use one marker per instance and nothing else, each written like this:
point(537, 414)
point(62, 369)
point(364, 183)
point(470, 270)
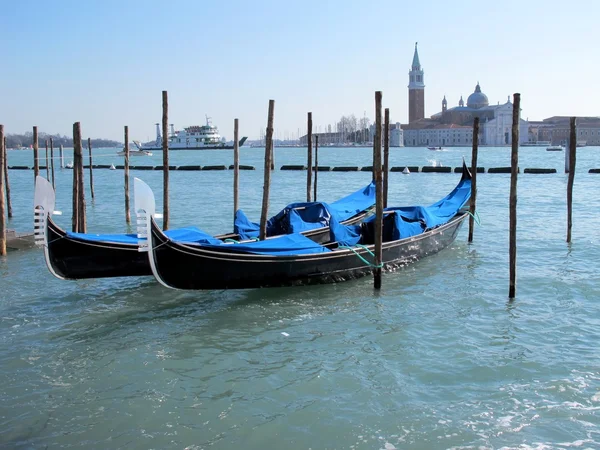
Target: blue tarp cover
point(406, 221)
point(187, 234)
point(304, 216)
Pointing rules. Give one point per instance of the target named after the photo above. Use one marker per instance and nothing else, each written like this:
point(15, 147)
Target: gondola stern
point(145, 210)
point(44, 199)
point(145, 207)
point(466, 172)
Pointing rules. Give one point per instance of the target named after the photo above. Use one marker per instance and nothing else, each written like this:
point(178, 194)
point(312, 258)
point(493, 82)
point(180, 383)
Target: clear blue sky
point(105, 63)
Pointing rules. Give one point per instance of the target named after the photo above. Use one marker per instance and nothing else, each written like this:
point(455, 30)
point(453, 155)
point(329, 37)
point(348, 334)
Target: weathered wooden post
point(47, 164)
point(165, 146)
point(6, 183)
point(52, 160)
point(126, 170)
point(267, 178)
point(309, 157)
point(514, 169)
point(572, 160)
point(79, 223)
point(236, 167)
point(386, 155)
point(2, 214)
point(91, 163)
point(378, 192)
point(62, 159)
point(473, 178)
point(36, 162)
point(316, 166)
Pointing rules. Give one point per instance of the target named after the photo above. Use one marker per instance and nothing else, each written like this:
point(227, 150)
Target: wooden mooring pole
point(473, 178)
point(79, 223)
point(386, 155)
point(572, 160)
point(165, 146)
point(36, 162)
point(61, 156)
point(236, 167)
point(91, 163)
point(6, 183)
point(267, 178)
point(47, 163)
point(2, 214)
point(316, 166)
point(309, 157)
point(52, 161)
point(378, 191)
point(126, 170)
point(514, 170)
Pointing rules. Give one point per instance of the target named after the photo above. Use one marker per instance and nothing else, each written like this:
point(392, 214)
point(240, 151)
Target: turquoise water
point(440, 358)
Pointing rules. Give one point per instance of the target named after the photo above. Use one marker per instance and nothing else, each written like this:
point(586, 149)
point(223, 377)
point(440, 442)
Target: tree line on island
point(25, 140)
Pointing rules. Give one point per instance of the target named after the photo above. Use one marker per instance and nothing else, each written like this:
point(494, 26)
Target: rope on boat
point(475, 216)
point(367, 262)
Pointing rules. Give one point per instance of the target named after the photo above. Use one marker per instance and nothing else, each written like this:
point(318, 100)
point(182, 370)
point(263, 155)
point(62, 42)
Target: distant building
point(587, 128)
point(453, 126)
point(396, 135)
point(416, 90)
point(557, 129)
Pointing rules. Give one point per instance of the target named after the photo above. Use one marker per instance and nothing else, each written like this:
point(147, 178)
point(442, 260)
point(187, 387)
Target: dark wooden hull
point(75, 259)
point(193, 267)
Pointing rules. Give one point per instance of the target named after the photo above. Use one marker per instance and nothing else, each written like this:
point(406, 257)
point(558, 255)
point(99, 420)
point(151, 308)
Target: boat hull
point(76, 259)
point(182, 266)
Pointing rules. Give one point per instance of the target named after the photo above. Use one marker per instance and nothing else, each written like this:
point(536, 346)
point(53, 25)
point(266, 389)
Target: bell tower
point(416, 90)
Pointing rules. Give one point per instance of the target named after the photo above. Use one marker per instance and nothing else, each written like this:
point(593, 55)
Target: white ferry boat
point(195, 137)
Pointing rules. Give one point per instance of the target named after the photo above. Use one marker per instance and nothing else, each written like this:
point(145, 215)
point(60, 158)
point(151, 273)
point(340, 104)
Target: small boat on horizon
point(436, 148)
point(195, 137)
point(555, 148)
point(138, 152)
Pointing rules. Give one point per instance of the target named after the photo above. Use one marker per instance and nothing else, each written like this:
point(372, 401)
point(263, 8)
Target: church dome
point(477, 99)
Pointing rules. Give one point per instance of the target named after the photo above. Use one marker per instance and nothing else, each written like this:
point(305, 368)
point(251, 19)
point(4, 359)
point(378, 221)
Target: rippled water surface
point(440, 358)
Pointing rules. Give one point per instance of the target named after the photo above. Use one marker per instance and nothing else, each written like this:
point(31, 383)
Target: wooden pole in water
point(91, 163)
point(165, 146)
point(126, 170)
point(62, 158)
point(76, 140)
point(236, 167)
point(78, 169)
point(473, 178)
point(379, 192)
point(267, 179)
point(36, 162)
point(386, 155)
point(514, 169)
point(572, 159)
point(2, 215)
point(47, 165)
point(316, 166)
point(309, 156)
point(6, 183)
point(52, 160)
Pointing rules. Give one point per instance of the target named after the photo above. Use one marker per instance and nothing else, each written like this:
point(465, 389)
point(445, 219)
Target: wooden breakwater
point(300, 167)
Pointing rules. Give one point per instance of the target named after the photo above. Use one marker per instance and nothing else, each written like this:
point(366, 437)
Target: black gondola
point(296, 260)
point(84, 255)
